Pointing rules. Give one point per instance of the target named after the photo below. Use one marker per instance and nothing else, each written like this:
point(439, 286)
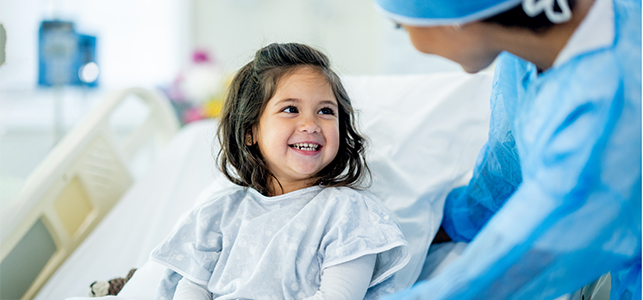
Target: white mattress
point(424, 131)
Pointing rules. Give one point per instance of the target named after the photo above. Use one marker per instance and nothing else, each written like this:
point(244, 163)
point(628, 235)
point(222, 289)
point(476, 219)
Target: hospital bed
point(424, 133)
point(75, 186)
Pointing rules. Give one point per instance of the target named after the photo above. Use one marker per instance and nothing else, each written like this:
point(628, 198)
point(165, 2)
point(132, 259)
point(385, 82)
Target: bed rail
point(73, 188)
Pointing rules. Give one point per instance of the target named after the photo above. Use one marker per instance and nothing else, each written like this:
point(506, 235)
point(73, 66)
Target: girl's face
point(468, 45)
point(298, 131)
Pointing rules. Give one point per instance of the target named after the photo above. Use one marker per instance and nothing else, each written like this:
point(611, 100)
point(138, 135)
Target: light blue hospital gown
point(243, 245)
point(555, 200)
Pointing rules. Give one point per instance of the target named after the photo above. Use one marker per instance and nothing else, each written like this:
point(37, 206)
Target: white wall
point(141, 42)
point(357, 38)
point(148, 42)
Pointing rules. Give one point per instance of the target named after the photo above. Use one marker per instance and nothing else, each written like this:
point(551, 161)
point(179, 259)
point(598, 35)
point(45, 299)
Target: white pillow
point(425, 133)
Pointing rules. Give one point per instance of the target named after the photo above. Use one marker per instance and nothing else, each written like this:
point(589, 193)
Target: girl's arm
point(188, 290)
point(346, 281)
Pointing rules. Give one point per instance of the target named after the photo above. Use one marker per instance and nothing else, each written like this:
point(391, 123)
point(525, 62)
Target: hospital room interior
point(108, 117)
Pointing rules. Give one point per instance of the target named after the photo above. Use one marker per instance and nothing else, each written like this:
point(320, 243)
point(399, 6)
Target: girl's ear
point(249, 139)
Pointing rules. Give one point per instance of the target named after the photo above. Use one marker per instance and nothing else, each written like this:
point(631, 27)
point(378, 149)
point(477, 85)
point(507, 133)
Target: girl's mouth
point(306, 146)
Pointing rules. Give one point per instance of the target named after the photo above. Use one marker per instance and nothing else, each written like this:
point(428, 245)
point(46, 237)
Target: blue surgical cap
point(442, 12)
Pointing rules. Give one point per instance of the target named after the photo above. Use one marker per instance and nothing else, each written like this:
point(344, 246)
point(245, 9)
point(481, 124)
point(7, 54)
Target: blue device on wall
point(65, 56)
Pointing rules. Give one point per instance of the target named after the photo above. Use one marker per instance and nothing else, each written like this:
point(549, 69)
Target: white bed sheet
point(424, 131)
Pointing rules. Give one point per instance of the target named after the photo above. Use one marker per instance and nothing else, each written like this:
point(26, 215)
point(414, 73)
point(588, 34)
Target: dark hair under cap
point(251, 89)
point(516, 17)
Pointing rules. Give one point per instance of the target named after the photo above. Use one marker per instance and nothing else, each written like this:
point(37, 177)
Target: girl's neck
point(277, 188)
point(543, 48)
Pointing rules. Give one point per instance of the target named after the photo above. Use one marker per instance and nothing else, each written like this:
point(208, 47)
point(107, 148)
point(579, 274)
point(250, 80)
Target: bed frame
point(74, 187)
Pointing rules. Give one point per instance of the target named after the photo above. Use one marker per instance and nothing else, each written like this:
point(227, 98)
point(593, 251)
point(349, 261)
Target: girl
point(293, 228)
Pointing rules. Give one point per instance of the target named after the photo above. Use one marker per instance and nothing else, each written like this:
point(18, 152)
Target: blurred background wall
point(356, 37)
point(151, 43)
point(147, 41)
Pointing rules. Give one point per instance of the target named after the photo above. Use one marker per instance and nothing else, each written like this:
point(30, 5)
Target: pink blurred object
point(197, 83)
point(192, 114)
point(200, 80)
point(200, 56)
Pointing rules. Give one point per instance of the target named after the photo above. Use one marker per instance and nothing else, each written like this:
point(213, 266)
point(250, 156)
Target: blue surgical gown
point(555, 200)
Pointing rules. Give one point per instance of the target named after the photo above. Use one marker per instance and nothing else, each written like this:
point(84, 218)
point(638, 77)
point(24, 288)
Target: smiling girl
point(295, 226)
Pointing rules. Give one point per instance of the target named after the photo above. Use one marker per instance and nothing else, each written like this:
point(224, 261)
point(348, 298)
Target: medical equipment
point(66, 57)
point(424, 131)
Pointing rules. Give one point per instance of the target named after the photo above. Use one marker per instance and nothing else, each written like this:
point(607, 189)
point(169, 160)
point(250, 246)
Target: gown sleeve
point(193, 248)
point(577, 212)
point(357, 226)
point(497, 171)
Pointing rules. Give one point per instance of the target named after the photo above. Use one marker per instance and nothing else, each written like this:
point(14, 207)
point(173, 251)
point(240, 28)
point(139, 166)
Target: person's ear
point(249, 139)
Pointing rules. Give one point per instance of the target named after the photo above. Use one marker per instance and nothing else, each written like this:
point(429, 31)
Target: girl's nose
point(309, 124)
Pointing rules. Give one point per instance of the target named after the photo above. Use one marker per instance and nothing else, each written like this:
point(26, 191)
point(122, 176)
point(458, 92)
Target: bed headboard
point(73, 188)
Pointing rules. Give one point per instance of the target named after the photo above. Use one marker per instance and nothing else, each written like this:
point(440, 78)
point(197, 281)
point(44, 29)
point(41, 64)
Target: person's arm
point(496, 177)
point(188, 290)
point(347, 281)
point(497, 172)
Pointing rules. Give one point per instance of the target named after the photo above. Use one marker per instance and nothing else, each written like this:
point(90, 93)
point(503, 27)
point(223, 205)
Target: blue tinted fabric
point(498, 171)
point(556, 197)
point(442, 12)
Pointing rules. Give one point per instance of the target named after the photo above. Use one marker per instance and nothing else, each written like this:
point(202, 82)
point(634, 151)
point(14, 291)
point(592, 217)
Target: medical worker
point(555, 199)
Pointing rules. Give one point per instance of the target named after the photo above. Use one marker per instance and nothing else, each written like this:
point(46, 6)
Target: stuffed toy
point(111, 287)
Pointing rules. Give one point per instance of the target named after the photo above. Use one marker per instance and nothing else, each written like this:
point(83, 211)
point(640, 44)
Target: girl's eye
point(327, 111)
point(290, 110)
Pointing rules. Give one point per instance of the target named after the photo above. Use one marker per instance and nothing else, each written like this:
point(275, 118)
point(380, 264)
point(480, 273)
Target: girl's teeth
point(306, 147)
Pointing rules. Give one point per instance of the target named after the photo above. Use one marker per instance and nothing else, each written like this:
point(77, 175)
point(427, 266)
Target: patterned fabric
point(243, 245)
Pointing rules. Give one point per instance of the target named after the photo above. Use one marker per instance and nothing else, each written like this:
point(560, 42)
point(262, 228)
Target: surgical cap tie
point(534, 7)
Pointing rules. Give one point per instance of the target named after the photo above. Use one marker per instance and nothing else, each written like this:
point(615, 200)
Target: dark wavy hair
point(251, 89)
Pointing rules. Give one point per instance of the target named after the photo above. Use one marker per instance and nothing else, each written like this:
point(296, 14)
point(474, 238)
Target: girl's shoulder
point(223, 196)
point(343, 192)
point(349, 197)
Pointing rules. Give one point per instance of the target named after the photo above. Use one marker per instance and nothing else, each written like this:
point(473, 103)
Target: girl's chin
point(307, 173)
